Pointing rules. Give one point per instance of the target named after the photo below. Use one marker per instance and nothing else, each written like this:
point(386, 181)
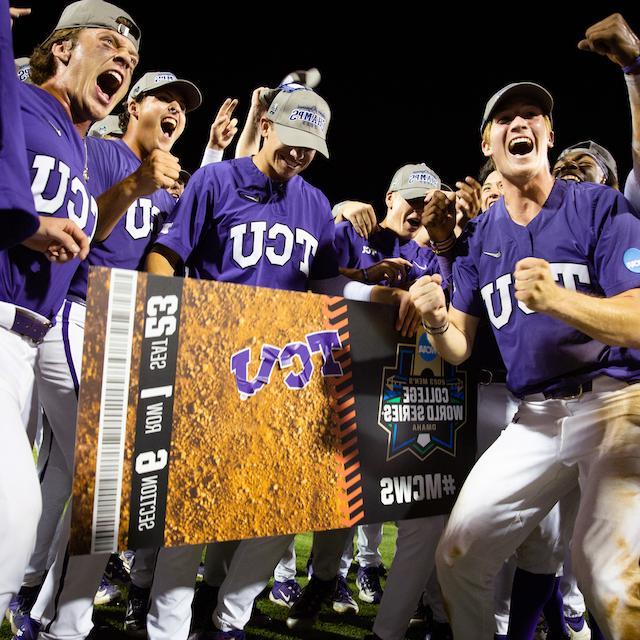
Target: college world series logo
point(423, 402)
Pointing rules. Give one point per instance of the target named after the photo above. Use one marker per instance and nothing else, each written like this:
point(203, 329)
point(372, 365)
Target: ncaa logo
point(425, 350)
point(631, 260)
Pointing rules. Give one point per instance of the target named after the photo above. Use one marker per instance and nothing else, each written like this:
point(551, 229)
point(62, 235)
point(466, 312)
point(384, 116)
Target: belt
point(23, 322)
point(30, 327)
point(491, 376)
point(570, 392)
point(573, 391)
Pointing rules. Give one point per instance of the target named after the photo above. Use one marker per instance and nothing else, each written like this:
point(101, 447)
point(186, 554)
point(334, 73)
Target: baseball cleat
point(368, 582)
point(27, 628)
point(107, 593)
point(304, 612)
point(135, 620)
point(285, 594)
point(116, 570)
point(577, 628)
point(422, 615)
point(343, 601)
point(127, 558)
point(20, 605)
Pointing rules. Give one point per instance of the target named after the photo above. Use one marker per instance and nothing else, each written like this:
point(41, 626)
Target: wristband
point(435, 331)
point(443, 246)
point(633, 68)
point(365, 275)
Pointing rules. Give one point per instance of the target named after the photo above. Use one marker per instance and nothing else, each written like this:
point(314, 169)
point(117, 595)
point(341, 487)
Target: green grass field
point(330, 626)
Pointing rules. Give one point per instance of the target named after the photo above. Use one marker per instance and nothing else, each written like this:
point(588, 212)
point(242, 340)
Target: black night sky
point(405, 84)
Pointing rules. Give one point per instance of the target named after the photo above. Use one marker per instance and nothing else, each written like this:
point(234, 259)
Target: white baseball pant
point(412, 564)
point(596, 438)
point(20, 502)
point(253, 564)
point(60, 363)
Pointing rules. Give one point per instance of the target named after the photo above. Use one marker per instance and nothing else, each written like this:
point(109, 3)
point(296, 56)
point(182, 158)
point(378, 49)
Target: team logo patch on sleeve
point(631, 259)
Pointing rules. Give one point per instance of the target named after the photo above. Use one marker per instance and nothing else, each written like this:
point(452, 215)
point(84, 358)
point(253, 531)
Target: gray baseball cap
point(154, 80)
point(599, 154)
point(99, 14)
point(23, 69)
point(529, 90)
point(301, 118)
point(109, 126)
point(414, 181)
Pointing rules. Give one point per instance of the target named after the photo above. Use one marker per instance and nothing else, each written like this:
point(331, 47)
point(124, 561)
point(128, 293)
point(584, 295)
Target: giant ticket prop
point(212, 411)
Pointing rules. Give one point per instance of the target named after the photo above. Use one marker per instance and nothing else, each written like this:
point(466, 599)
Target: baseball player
point(586, 162)
point(220, 251)
point(554, 269)
point(582, 162)
point(408, 201)
point(72, 86)
point(132, 175)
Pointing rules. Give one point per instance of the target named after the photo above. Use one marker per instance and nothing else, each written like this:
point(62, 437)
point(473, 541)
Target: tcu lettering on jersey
point(53, 177)
point(141, 218)
point(565, 273)
point(278, 235)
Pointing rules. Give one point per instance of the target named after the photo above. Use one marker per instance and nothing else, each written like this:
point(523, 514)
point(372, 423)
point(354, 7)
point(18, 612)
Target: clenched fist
point(439, 214)
point(534, 284)
point(159, 170)
point(427, 296)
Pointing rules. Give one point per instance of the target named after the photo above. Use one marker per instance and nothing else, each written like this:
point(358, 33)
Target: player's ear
point(265, 126)
point(486, 149)
point(133, 108)
point(62, 51)
point(388, 199)
point(552, 139)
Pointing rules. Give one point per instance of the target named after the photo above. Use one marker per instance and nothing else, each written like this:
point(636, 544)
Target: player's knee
point(449, 554)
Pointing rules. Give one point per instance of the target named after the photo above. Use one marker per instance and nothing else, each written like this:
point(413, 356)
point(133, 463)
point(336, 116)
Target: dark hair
point(485, 170)
point(125, 116)
point(43, 62)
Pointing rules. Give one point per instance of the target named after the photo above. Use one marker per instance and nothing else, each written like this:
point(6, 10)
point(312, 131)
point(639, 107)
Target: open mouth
point(290, 164)
point(109, 84)
point(569, 176)
point(521, 146)
point(168, 126)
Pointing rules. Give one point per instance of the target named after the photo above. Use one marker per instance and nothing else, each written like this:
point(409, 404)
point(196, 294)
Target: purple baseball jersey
point(355, 252)
point(110, 161)
point(590, 236)
point(16, 203)
point(234, 224)
point(56, 156)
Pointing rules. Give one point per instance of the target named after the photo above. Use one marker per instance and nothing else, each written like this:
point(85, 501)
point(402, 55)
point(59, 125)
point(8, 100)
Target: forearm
point(453, 345)
point(249, 140)
point(160, 263)
point(612, 321)
point(633, 88)
point(353, 274)
point(112, 205)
